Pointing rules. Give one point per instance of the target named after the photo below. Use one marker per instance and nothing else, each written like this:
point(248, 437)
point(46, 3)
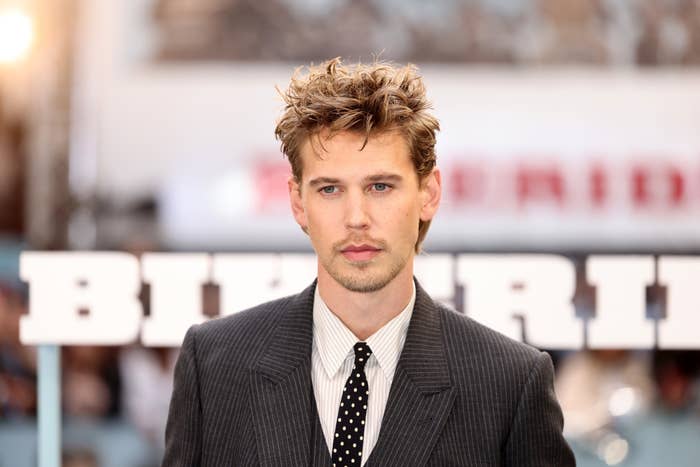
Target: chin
point(362, 285)
point(363, 280)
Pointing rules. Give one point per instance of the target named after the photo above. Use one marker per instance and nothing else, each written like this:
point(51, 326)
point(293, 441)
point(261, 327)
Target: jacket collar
point(423, 357)
point(421, 396)
point(290, 345)
point(423, 349)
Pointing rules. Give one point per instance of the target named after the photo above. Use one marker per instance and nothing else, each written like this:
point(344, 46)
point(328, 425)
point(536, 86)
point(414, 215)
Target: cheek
point(402, 220)
point(312, 211)
point(322, 222)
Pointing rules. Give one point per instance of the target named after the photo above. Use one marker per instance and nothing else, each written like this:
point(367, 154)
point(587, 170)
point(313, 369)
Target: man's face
point(361, 208)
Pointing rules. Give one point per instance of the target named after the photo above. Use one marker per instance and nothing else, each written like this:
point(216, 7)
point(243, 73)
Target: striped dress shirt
point(332, 357)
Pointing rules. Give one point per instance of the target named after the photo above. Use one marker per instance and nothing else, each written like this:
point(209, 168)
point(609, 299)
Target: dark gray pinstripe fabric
point(462, 395)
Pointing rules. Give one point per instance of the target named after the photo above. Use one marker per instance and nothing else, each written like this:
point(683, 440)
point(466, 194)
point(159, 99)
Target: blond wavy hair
point(368, 99)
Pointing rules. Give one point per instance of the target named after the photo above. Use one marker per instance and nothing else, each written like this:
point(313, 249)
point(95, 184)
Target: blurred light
point(16, 35)
point(613, 450)
point(622, 401)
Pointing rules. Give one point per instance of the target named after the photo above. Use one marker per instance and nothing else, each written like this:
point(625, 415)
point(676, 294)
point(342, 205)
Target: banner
point(93, 298)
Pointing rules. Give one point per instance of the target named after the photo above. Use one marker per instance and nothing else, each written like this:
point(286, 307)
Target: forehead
point(346, 153)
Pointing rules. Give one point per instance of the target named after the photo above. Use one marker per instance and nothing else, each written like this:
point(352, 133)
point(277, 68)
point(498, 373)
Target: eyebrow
point(323, 181)
point(383, 177)
point(380, 177)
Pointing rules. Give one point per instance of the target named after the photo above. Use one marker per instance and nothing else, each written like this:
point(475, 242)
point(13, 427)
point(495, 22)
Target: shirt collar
point(335, 341)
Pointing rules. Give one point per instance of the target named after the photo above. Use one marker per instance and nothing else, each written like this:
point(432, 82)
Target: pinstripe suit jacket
point(462, 395)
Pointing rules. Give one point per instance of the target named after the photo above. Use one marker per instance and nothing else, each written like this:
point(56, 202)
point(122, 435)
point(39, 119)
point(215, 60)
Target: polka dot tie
point(350, 424)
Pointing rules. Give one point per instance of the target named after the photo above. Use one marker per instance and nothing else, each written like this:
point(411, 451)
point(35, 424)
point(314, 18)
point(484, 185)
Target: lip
point(362, 247)
point(360, 252)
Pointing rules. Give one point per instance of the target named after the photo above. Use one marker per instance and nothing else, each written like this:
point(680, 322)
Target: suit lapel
point(281, 393)
point(421, 395)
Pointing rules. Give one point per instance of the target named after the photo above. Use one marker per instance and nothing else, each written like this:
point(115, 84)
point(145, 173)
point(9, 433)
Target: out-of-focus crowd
point(631, 408)
point(600, 32)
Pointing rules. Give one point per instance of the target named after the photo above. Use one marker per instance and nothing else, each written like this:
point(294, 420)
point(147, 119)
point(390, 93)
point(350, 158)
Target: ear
point(431, 192)
point(296, 203)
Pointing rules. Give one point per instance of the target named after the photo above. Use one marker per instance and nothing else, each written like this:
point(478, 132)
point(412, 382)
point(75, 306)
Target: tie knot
point(362, 354)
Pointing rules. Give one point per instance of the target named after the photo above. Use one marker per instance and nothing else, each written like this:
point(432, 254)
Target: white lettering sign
point(523, 296)
point(93, 298)
point(621, 283)
point(681, 326)
point(81, 298)
point(176, 295)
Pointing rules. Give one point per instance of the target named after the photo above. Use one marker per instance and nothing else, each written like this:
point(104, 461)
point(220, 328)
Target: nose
point(356, 213)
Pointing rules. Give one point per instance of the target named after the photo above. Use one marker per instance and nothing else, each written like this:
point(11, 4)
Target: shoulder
point(244, 334)
point(473, 346)
point(256, 319)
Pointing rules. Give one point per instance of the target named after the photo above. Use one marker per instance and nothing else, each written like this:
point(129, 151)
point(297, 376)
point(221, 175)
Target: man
point(362, 367)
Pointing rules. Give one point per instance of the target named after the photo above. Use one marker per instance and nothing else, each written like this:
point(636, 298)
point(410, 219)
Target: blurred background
point(568, 126)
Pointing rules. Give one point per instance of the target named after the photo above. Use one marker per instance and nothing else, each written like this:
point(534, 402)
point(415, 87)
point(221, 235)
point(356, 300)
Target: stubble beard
point(364, 276)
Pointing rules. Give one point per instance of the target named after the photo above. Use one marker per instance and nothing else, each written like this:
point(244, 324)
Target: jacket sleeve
point(536, 437)
point(183, 432)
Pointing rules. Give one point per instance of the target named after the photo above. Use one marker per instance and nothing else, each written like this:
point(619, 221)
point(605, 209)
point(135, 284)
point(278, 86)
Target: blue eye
point(380, 187)
point(329, 190)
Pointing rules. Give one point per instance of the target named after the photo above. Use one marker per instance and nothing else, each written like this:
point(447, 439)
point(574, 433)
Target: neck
point(365, 313)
